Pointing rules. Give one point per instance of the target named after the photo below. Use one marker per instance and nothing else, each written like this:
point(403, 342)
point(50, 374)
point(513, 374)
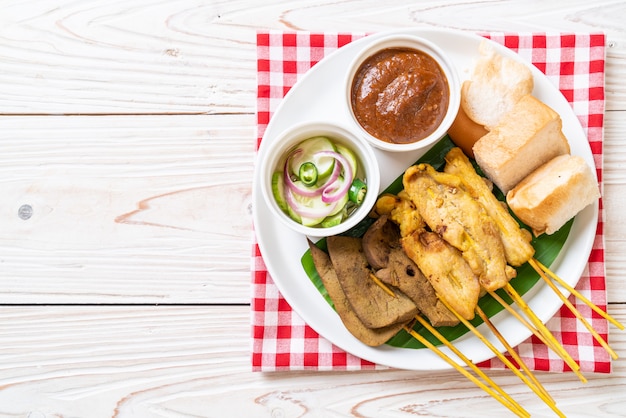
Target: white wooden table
point(127, 133)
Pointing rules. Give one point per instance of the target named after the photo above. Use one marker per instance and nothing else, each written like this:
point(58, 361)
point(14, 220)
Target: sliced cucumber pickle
point(278, 190)
point(309, 148)
point(349, 155)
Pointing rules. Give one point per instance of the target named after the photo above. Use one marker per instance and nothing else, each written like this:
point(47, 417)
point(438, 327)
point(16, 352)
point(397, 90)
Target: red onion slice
point(333, 189)
point(302, 191)
point(339, 187)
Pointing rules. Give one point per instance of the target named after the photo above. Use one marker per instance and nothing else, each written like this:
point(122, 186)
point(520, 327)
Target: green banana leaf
point(547, 248)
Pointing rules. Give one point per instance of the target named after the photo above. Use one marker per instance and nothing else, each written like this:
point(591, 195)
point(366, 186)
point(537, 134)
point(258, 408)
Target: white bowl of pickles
point(319, 179)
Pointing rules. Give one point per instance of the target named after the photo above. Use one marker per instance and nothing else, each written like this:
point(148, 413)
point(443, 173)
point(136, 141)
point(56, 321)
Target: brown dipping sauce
point(400, 95)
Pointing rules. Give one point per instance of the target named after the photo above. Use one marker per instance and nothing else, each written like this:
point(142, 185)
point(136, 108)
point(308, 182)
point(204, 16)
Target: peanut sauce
point(400, 95)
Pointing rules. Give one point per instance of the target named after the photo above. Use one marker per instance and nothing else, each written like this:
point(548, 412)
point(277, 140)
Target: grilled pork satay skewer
point(516, 241)
point(446, 270)
point(460, 220)
point(440, 262)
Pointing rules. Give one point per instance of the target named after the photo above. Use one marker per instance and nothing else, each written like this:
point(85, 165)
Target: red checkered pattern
point(572, 62)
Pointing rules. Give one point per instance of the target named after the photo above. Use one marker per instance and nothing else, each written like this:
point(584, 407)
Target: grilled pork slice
point(446, 270)
point(460, 220)
point(516, 240)
point(402, 272)
point(369, 336)
point(374, 307)
point(384, 253)
point(379, 240)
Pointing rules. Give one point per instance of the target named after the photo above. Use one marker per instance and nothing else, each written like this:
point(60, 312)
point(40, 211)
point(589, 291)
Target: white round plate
point(319, 95)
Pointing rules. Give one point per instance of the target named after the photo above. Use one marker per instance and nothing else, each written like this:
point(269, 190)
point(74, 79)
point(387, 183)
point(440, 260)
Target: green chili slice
point(308, 173)
point(357, 191)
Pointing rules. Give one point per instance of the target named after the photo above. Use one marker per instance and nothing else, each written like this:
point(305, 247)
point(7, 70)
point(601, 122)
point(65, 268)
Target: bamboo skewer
point(546, 333)
point(548, 339)
point(577, 294)
point(503, 397)
point(382, 285)
point(467, 361)
point(514, 354)
point(576, 313)
point(502, 358)
point(507, 401)
point(520, 318)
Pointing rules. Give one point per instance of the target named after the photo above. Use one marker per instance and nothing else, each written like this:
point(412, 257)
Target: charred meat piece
point(401, 210)
point(461, 221)
point(374, 307)
point(383, 250)
point(369, 336)
point(378, 241)
point(446, 270)
point(516, 241)
point(401, 272)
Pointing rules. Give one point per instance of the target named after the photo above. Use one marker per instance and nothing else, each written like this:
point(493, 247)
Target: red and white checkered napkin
point(574, 63)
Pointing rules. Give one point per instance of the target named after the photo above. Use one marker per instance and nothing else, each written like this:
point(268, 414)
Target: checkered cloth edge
point(574, 62)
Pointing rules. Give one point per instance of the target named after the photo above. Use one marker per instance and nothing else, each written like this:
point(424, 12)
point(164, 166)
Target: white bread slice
point(554, 193)
point(527, 137)
point(494, 86)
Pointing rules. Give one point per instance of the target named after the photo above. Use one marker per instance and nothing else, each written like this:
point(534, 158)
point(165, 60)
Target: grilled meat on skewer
point(461, 221)
point(516, 241)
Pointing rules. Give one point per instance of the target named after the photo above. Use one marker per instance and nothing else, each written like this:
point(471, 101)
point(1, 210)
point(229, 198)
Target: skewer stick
point(382, 285)
point(520, 318)
point(578, 315)
point(502, 358)
point(546, 333)
point(513, 407)
point(467, 361)
point(505, 400)
point(513, 354)
point(547, 339)
point(576, 293)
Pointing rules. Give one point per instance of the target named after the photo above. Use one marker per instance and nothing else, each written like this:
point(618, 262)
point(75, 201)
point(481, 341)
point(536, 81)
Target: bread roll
point(527, 137)
point(494, 86)
point(554, 193)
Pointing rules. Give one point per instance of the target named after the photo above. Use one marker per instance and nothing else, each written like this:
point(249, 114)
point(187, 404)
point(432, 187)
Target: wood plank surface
point(191, 56)
point(126, 209)
point(153, 209)
point(127, 133)
point(99, 362)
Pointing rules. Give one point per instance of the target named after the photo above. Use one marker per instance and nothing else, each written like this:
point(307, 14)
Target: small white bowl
point(447, 67)
point(271, 154)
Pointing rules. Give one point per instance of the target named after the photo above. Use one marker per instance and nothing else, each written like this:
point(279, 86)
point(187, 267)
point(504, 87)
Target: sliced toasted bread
point(495, 85)
point(554, 193)
point(527, 137)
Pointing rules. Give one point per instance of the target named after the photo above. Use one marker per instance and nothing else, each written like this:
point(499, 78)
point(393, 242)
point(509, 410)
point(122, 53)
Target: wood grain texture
point(126, 209)
point(129, 128)
point(191, 56)
point(100, 362)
